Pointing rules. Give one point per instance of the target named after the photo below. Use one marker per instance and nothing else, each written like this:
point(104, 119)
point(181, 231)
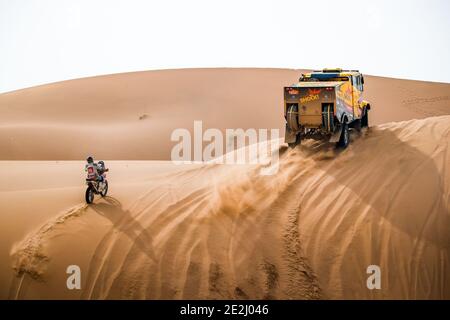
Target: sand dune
point(224, 231)
point(138, 111)
point(221, 231)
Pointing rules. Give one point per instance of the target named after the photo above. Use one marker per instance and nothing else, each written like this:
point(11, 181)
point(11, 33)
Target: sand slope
point(220, 231)
point(138, 111)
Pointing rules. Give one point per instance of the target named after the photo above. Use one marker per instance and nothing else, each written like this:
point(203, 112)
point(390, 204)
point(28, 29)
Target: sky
point(44, 41)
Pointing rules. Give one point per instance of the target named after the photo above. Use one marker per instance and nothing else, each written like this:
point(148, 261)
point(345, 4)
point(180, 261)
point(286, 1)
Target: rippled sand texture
point(222, 231)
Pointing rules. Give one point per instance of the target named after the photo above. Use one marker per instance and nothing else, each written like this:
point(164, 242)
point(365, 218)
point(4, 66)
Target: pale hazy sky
point(44, 41)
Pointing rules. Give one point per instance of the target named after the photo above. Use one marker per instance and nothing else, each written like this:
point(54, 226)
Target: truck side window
point(355, 81)
point(358, 83)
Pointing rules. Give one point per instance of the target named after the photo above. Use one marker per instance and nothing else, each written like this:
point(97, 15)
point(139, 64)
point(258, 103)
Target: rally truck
point(325, 104)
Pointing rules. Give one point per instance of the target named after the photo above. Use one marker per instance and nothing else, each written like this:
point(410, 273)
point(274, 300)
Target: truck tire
point(328, 117)
point(292, 117)
point(344, 139)
point(365, 119)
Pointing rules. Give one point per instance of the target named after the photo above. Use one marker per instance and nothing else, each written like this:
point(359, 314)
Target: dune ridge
point(29, 256)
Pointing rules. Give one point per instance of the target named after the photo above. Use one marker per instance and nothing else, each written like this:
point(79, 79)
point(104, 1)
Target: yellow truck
point(325, 104)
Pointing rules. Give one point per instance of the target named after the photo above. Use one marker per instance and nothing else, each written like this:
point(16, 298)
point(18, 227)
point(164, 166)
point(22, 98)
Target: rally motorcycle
point(96, 187)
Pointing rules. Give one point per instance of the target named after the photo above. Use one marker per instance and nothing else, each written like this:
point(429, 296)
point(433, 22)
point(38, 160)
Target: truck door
point(356, 94)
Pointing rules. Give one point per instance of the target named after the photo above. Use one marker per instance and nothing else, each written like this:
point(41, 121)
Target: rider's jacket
point(92, 171)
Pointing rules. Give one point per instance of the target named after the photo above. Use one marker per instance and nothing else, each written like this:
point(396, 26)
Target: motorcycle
point(96, 187)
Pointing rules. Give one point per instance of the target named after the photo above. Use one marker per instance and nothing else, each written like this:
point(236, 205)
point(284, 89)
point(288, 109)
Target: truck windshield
point(317, 77)
point(330, 79)
point(336, 79)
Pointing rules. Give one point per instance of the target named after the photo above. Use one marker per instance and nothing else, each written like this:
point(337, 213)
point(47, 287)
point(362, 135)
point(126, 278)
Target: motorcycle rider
point(95, 170)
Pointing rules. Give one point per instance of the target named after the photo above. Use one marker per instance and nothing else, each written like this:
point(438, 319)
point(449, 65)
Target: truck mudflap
point(335, 136)
point(290, 136)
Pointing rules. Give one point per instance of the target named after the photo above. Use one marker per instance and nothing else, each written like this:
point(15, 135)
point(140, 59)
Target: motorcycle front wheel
point(89, 194)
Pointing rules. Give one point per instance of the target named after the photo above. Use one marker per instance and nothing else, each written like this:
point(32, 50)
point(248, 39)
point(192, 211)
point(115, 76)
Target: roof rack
point(331, 70)
point(334, 70)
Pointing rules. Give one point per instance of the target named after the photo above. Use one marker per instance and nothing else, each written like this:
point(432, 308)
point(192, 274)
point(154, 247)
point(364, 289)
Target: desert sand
point(213, 231)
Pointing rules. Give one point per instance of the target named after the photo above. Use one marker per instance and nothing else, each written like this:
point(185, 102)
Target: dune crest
point(29, 256)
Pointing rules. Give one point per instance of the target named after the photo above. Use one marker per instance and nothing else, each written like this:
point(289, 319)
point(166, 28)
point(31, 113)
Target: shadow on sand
point(103, 258)
point(124, 222)
point(409, 196)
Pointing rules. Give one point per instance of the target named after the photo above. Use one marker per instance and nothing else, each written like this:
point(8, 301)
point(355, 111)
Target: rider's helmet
point(101, 164)
point(90, 159)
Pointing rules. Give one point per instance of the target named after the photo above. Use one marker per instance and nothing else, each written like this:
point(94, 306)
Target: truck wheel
point(328, 117)
point(365, 119)
point(292, 117)
point(298, 139)
point(345, 137)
